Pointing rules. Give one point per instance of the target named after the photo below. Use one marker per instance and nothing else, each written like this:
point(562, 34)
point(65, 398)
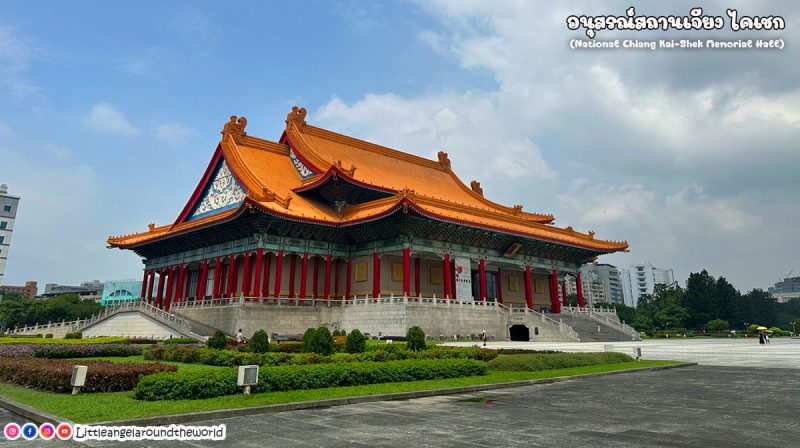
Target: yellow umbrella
point(761, 328)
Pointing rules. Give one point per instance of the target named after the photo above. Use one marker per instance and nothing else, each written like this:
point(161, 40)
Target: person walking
point(766, 338)
point(761, 337)
point(239, 337)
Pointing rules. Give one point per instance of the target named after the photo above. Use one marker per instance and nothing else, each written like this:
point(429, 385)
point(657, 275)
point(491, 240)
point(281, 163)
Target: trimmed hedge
point(555, 361)
point(232, 358)
point(200, 385)
point(54, 375)
point(68, 350)
point(7, 340)
point(181, 341)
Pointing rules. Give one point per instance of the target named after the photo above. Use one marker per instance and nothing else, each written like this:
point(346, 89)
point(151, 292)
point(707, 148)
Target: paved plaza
point(741, 395)
point(742, 352)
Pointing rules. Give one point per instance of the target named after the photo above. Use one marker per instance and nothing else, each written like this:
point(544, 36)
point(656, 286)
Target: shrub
point(54, 375)
point(356, 343)
point(288, 347)
point(75, 335)
point(49, 336)
point(415, 338)
point(181, 341)
point(753, 328)
point(717, 325)
point(64, 351)
point(557, 361)
point(325, 345)
point(202, 384)
point(310, 340)
point(39, 341)
point(218, 341)
point(776, 331)
point(259, 343)
point(143, 341)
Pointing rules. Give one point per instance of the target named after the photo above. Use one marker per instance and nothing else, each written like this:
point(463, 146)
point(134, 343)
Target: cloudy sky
point(109, 112)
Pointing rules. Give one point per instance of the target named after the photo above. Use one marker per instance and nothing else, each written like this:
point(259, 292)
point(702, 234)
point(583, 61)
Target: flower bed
point(54, 375)
point(38, 341)
point(231, 358)
point(199, 385)
point(68, 350)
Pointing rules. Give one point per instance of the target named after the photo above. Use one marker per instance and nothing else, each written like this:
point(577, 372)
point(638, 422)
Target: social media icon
point(47, 431)
point(29, 431)
point(64, 431)
point(12, 431)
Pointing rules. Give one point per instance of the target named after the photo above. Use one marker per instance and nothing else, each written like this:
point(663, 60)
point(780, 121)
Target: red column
point(292, 266)
point(336, 278)
point(303, 277)
point(376, 276)
point(579, 287)
point(144, 286)
point(187, 283)
point(499, 287)
point(217, 271)
point(150, 287)
point(266, 273)
point(179, 288)
point(202, 279)
point(231, 276)
point(247, 275)
point(170, 282)
point(554, 291)
point(406, 272)
point(258, 273)
point(453, 291)
point(446, 276)
point(278, 272)
point(160, 294)
point(482, 275)
point(564, 292)
point(349, 282)
point(416, 278)
point(528, 287)
point(315, 280)
point(327, 292)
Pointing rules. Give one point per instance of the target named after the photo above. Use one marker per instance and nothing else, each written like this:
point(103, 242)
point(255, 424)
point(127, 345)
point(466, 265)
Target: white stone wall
point(132, 324)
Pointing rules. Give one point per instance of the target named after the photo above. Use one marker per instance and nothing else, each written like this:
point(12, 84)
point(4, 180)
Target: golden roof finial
point(443, 160)
point(297, 116)
point(476, 187)
point(517, 209)
point(152, 227)
point(235, 128)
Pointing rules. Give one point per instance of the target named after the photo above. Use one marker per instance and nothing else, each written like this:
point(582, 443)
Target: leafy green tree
point(415, 338)
point(325, 345)
point(259, 343)
point(572, 299)
point(717, 325)
point(671, 315)
point(356, 342)
point(643, 323)
point(217, 341)
point(310, 341)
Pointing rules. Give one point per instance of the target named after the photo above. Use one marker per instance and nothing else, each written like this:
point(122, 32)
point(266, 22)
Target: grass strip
point(87, 408)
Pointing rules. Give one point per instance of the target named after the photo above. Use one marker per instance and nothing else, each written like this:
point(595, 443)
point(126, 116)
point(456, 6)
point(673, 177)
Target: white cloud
point(5, 130)
point(104, 117)
point(174, 133)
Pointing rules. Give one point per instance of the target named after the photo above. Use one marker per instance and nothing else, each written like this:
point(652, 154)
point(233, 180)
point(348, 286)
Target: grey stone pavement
point(706, 406)
point(741, 352)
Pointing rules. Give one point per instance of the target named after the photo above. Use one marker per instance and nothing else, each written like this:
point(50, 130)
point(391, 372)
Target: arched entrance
point(519, 333)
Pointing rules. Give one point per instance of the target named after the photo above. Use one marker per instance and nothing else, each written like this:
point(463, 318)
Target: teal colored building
point(119, 291)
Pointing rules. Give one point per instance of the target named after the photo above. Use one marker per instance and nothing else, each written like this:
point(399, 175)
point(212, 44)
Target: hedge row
point(205, 384)
point(230, 358)
point(8, 340)
point(64, 351)
point(54, 375)
point(536, 362)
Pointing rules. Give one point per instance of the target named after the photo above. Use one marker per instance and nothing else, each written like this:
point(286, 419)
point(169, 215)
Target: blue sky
point(109, 112)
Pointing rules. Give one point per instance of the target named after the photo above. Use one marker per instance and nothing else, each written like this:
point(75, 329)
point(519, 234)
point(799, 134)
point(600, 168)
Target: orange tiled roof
point(271, 182)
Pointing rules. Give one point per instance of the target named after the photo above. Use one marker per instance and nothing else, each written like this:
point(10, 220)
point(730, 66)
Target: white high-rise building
point(8, 213)
point(601, 283)
point(641, 279)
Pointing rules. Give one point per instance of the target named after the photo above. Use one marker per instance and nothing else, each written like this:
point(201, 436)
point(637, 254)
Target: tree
point(717, 325)
point(217, 341)
point(325, 345)
point(643, 323)
point(672, 315)
point(259, 343)
point(356, 343)
point(415, 338)
point(310, 341)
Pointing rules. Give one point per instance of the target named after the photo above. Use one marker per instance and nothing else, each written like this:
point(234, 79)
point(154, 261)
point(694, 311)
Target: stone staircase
point(586, 327)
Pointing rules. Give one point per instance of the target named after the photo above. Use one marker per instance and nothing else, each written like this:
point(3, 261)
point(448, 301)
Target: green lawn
point(86, 408)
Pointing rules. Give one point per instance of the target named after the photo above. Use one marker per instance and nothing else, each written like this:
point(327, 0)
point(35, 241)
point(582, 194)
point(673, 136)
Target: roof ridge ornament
point(152, 227)
point(443, 160)
point(407, 192)
point(235, 128)
point(476, 187)
point(268, 195)
point(349, 171)
point(297, 117)
point(517, 210)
